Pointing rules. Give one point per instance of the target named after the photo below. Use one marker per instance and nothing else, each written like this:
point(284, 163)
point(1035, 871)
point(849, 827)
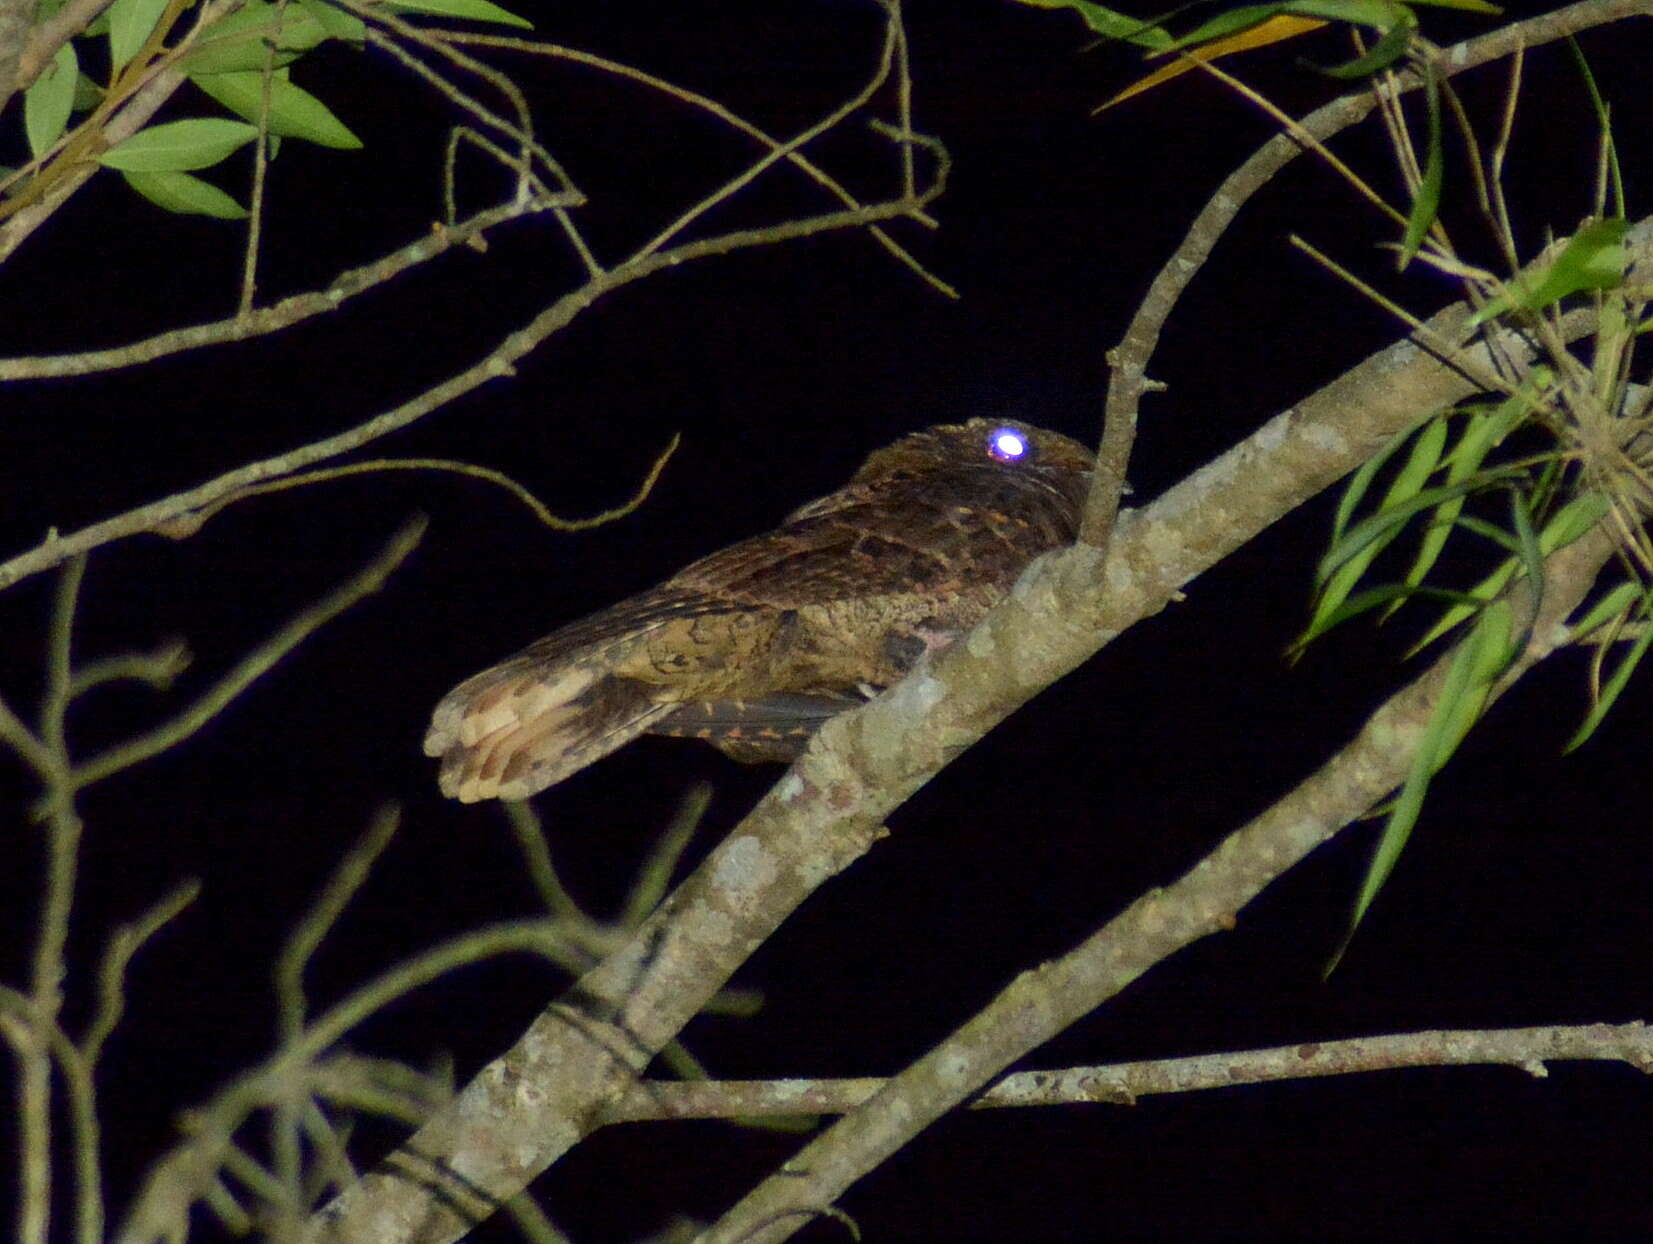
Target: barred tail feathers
point(513, 730)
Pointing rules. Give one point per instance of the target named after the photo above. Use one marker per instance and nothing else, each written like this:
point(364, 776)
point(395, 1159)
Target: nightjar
point(753, 647)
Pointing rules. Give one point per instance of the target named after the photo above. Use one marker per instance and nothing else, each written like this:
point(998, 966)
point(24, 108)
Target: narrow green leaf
point(1378, 14)
point(467, 10)
point(1426, 203)
point(1616, 683)
point(49, 100)
point(1420, 463)
point(1374, 597)
point(177, 145)
point(1466, 6)
point(294, 112)
point(1355, 547)
point(1572, 520)
point(1482, 432)
point(1225, 24)
point(1381, 525)
point(1361, 480)
point(239, 42)
point(1112, 24)
point(1492, 533)
point(1607, 608)
point(1604, 121)
point(1566, 525)
point(186, 195)
point(338, 23)
point(1340, 580)
point(130, 25)
point(88, 94)
point(1592, 259)
point(1485, 590)
point(1384, 53)
point(1485, 653)
point(1532, 558)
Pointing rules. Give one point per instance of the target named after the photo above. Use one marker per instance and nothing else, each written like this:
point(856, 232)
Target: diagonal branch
point(1129, 360)
point(255, 664)
point(1042, 1002)
point(496, 363)
point(538, 1099)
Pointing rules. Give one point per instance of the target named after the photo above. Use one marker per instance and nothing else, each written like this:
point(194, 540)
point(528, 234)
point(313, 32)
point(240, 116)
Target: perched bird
point(753, 647)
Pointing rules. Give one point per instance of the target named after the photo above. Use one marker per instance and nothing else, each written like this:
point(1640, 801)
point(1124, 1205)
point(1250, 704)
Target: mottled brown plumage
point(753, 647)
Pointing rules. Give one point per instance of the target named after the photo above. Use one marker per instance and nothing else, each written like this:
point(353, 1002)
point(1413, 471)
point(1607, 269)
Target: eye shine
point(1007, 445)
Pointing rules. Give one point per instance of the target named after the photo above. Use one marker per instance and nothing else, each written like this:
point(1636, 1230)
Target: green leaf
point(176, 145)
point(338, 23)
point(1362, 479)
point(1465, 6)
point(88, 94)
point(468, 10)
point(1112, 24)
point(1532, 557)
point(1426, 202)
point(1621, 673)
point(186, 195)
point(1225, 24)
point(1385, 52)
point(1378, 14)
point(1567, 524)
point(1354, 549)
point(1484, 654)
point(130, 24)
point(1485, 590)
point(1604, 121)
point(240, 42)
point(49, 100)
point(1572, 520)
point(1610, 606)
point(1484, 431)
point(294, 112)
point(1593, 259)
point(1383, 525)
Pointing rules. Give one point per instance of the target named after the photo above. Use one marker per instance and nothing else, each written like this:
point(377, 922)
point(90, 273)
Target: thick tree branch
point(1042, 1002)
point(557, 1082)
point(534, 1102)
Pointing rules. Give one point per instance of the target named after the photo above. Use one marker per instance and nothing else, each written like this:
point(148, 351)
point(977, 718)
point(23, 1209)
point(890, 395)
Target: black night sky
point(1521, 900)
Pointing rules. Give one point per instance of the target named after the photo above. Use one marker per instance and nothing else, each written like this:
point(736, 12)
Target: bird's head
point(1002, 443)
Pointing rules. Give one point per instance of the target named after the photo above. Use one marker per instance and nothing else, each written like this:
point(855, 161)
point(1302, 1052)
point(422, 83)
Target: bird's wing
point(774, 727)
point(862, 541)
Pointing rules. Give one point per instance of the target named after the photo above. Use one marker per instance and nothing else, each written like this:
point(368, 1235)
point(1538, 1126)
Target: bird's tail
point(517, 728)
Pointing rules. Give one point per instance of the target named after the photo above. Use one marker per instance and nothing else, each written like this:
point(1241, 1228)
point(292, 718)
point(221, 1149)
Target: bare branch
point(1043, 1001)
point(190, 523)
point(497, 362)
point(1121, 1084)
point(255, 664)
point(261, 322)
point(1129, 359)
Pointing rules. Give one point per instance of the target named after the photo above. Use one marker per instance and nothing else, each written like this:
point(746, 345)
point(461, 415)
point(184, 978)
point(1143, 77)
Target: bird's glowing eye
point(1007, 445)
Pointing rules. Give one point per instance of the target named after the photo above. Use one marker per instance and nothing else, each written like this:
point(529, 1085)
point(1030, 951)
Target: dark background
point(1521, 900)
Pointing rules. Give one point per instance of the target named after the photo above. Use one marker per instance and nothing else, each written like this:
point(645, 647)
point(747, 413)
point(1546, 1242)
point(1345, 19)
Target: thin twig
point(254, 665)
point(188, 524)
point(1122, 1084)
